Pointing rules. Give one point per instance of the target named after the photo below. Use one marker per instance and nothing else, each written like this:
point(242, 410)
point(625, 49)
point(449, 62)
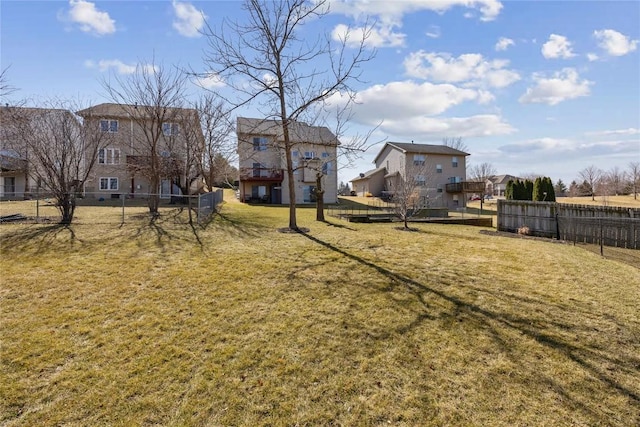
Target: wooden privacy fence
point(604, 225)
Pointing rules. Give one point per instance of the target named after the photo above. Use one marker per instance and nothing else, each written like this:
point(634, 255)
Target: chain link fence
point(95, 209)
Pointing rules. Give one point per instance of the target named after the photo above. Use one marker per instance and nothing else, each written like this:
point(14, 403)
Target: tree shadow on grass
point(334, 224)
point(589, 356)
point(39, 236)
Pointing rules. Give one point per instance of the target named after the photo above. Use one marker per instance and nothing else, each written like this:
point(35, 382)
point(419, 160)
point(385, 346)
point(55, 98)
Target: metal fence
point(603, 225)
point(92, 208)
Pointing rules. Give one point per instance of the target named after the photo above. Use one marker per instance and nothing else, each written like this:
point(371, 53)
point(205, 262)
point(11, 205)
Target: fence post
point(38, 204)
point(198, 214)
point(123, 199)
point(601, 241)
point(557, 227)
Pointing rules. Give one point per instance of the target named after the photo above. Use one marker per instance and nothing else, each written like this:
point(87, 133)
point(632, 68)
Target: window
point(109, 156)
point(454, 162)
point(439, 188)
point(170, 129)
point(325, 155)
point(308, 193)
point(327, 168)
point(108, 183)
point(110, 126)
point(421, 180)
point(456, 201)
point(295, 162)
point(258, 191)
point(260, 144)
point(418, 159)
point(439, 168)
point(310, 155)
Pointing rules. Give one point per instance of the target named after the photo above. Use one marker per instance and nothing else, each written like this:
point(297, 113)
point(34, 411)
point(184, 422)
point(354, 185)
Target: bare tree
point(455, 143)
point(410, 192)
point(482, 172)
point(614, 180)
point(59, 149)
point(265, 61)
point(219, 150)
point(592, 176)
point(633, 175)
point(5, 88)
point(153, 97)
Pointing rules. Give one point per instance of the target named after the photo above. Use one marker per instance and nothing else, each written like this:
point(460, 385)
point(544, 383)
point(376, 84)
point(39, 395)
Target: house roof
point(123, 110)
point(11, 161)
point(503, 179)
point(369, 174)
point(422, 149)
point(299, 132)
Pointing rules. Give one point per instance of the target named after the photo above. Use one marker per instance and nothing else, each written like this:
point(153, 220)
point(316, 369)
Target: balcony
point(261, 174)
point(465, 187)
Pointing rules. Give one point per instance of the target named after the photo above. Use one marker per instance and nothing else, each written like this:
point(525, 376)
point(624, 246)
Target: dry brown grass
point(351, 324)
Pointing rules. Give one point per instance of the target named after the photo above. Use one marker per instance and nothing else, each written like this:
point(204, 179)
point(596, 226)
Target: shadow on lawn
point(44, 237)
point(585, 353)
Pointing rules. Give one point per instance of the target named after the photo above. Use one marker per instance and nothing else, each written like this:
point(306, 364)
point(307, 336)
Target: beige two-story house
point(262, 161)
point(135, 132)
point(438, 170)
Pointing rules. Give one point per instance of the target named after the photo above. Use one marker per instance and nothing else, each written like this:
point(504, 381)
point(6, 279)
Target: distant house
point(442, 173)
point(497, 185)
point(122, 166)
point(16, 179)
point(262, 161)
point(370, 182)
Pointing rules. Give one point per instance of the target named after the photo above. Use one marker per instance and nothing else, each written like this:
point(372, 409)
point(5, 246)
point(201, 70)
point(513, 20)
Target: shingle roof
point(122, 110)
point(422, 149)
point(503, 179)
point(299, 132)
point(369, 173)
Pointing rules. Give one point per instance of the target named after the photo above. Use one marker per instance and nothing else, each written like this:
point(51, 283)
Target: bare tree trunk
point(319, 198)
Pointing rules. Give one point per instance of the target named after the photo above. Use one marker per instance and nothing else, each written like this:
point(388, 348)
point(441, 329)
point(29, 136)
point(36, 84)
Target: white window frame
point(170, 129)
point(309, 155)
point(109, 183)
point(438, 168)
point(419, 159)
point(454, 162)
point(109, 156)
point(261, 143)
point(110, 126)
point(421, 180)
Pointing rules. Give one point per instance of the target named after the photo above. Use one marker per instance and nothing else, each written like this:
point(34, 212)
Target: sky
point(532, 87)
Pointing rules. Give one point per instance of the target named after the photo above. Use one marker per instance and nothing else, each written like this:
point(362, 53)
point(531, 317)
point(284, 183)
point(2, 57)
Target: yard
point(234, 323)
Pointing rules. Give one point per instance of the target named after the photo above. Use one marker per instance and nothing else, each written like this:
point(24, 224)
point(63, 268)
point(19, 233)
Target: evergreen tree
point(537, 195)
point(560, 188)
point(528, 194)
point(508, 191)
point(551, 193)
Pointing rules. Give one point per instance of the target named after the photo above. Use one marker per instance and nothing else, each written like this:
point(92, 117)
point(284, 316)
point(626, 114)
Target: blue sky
point(532, 87)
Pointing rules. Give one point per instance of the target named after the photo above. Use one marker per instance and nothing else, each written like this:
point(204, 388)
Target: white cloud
point(433, 32)
point(557, 47)
point(503, 43)
point(628, 131)
point(189, 20)
point(404, 99)
point(472, 68)
point(615, 43)
point(89, 18)
point(592, 57)
point(391, 12)
point(379, 36)
point(119, 66)
point(210, 81)
point(434, 128)
point(563, 85)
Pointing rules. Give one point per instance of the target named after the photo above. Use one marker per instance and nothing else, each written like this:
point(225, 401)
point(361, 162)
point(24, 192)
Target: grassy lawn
point(233, 323)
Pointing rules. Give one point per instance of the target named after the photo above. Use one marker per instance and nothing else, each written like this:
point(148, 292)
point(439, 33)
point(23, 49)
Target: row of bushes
point(539, 190)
